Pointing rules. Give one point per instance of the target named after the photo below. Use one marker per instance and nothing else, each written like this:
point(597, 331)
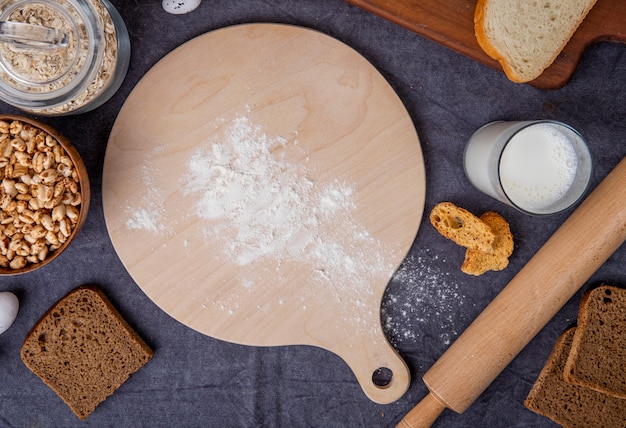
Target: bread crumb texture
point(487, 239)
point(83, 349)
point(526, 36)
point(598, 357)
point(478, 262)
point(462, 227)
point(570, 405)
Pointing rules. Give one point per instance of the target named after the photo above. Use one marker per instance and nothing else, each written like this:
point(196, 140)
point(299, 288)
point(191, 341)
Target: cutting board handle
point(368, 352)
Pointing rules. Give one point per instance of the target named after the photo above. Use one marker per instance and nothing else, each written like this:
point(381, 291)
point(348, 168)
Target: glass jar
point(60, 57)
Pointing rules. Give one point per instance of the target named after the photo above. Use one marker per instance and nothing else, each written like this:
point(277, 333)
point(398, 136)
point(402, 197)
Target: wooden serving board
point(451, 23)
point(261, 184)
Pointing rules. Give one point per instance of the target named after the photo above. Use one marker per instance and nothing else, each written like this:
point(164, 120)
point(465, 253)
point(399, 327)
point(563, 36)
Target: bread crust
point(488, 239)
point(488, 46)
point(75, 353)
point(598, 356)
point(478, 262)
point(485, 44)
point(462, 227)
point(572, 406)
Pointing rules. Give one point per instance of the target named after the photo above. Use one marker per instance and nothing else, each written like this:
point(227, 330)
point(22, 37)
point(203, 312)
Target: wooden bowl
point(73, 222)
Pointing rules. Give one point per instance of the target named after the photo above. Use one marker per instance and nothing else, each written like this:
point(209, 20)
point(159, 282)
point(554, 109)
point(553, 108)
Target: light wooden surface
point(339, 121)
point(424, 414)
point(451, 23)
point(563, 264)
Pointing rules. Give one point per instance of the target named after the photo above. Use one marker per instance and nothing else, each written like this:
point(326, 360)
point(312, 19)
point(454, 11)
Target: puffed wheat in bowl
point(44, 194)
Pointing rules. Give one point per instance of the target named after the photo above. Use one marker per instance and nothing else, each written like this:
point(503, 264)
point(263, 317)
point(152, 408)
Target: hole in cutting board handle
point(382, 377)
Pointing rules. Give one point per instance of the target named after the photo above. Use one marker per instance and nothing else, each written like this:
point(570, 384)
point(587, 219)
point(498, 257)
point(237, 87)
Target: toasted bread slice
point(462, 227)
point(478, 262)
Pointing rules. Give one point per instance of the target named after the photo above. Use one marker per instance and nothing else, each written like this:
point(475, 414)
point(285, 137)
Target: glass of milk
point(539, 167)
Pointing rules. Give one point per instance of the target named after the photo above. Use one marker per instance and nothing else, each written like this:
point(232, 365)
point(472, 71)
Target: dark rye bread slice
point(572, 406)
point(83, 349)
point(598, 357)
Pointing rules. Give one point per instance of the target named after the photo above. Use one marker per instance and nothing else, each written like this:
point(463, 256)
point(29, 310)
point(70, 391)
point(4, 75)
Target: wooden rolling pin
point(552, 276)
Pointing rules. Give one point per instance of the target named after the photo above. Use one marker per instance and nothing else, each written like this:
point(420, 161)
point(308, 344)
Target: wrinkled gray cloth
point(198, 381)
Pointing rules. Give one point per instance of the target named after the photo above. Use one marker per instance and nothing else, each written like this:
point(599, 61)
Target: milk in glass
point(539, 167)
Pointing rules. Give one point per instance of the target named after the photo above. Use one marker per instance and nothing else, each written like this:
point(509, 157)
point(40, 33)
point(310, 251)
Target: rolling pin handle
point(424, 414)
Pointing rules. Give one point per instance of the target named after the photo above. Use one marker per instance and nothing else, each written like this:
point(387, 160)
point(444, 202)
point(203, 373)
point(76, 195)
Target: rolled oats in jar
point(61, 57)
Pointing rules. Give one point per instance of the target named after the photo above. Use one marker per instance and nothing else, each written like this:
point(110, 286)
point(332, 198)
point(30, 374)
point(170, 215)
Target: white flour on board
point(148, 217)
point(260, 205)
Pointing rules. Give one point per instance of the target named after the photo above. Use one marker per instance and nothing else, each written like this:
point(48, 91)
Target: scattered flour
point(421, 294)
point(260, 205)
point(149, 216)
point(144, 219)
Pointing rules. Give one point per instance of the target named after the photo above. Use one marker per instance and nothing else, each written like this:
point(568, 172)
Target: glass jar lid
point(48, 50)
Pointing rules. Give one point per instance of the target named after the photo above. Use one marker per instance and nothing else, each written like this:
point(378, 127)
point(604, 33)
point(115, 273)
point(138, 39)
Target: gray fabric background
point(197, 381)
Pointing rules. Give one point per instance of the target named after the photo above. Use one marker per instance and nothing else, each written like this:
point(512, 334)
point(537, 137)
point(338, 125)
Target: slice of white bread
point(83, 349)
point(526, 36)
point(572, 406)
point(598, 356)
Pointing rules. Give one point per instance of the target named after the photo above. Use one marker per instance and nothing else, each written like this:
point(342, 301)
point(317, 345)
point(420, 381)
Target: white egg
point(178, 7)
point(9, 306)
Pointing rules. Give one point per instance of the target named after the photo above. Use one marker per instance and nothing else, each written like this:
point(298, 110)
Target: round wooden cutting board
point(261, 184)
